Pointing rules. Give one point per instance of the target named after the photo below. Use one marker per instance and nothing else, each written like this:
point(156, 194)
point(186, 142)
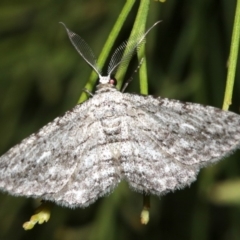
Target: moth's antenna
point(83, 49)
point(131, 78)
point(118, 57)
point(133, 45)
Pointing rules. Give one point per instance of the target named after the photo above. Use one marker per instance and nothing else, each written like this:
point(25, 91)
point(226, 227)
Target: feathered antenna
point(83, 49)
point(118, 56)
point(133, 45)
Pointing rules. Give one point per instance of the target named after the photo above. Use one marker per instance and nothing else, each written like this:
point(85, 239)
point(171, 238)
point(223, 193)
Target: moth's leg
point(131, 78)
point(88, 92)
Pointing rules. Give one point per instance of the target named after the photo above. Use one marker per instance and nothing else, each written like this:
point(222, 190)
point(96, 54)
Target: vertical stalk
point(234, 48)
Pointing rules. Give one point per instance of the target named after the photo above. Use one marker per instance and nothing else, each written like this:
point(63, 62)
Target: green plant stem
point(139, 26)
point(232, 59)
point(107, 47)
point(142, 16)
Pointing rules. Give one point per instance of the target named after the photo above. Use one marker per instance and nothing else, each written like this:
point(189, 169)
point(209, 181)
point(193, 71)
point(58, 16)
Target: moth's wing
point(151, 170)
point(148, 168)
point(190, 132)
point(44, 162)
point(98, 171)
point(63, 162)
point(173, 140)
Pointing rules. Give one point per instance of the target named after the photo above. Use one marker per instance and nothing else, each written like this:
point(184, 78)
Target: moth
point(156, 144)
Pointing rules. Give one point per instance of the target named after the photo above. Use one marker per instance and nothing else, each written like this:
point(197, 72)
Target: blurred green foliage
point(42, 76)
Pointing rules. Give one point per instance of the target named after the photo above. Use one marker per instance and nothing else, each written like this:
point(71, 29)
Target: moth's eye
point(113, 81)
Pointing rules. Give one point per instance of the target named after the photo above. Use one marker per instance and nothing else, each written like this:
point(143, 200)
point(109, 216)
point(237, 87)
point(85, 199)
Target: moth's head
point(106, 82)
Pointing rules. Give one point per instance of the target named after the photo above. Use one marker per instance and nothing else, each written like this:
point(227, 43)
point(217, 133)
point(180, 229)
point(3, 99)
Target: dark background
point(42, 76)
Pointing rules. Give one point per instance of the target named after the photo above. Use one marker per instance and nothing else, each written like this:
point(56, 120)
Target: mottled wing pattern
point(44, 162)
point(97, 172)
point(156, 144)
point(173, 140)
point(62, 162)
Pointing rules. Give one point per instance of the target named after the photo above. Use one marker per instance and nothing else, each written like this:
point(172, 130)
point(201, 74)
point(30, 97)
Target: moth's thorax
point(106, 87)
point(107, 103)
